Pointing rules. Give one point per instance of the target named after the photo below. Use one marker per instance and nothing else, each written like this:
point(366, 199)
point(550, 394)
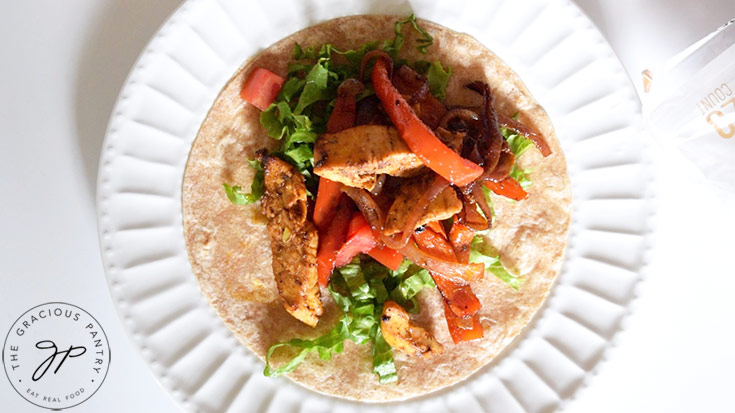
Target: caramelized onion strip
point(459, 273)
point(526, 131)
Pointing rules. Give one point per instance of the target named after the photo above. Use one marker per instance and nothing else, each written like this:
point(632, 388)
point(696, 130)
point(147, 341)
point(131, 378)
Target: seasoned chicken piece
point(405, 336)
point(293, 238)
point(444, 206)
point(355, 156)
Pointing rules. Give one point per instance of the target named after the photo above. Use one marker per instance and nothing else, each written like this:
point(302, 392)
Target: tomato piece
point(456, 326)
point(509, 188)
point(327, 199)
point(419, 138)
point(261, 88)
point(359, 240)
point(332, 239)
point(387, 256)
point(461, 238)
point(357, 223)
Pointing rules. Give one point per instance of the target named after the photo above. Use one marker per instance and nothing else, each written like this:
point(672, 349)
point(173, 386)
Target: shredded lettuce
point(297, 135)
point(392, 47)
point(521, 175)
point(300, 154)
point(438, 79)
point(486, 193)
point(360, 289)
point(315, 87)
point(356, 282)
point(479, 253)
point(291, 87)
point(383, 364)
point(414, 279)
point(421, 66)
point(307, 97)
point(235, 194)
point(518, 144)
point(325, 346)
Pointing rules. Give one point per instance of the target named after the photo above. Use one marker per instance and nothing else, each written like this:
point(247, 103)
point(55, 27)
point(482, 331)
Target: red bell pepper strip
point(509, 188)
point(460, 298)
point(327, 199)
point(437, 227)
point(328, 194)
point(461, 238)
point(435, 244)
point(455, 325)
point(332, 239)
point(261, 88)
point(419, 138)
point(359, 240)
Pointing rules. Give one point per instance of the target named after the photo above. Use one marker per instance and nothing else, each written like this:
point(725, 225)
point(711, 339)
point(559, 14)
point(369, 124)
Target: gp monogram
point(56, 355)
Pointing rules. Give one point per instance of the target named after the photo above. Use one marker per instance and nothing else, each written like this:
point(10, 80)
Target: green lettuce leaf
point(300, 154)
point(393, 47)
point(353, 275)
point(521, 175)
point(235, 194)
point(291, 87)
point(518, 144)
point(421, 66)
point(299, 53)
point(269, 120)
point(383, 364)
point(438, 79)
point(360, 289)
point(478, 253)
point(325, 346)
point(412, 285)
point(315, 87)
point(486, 193)
point(360, 293)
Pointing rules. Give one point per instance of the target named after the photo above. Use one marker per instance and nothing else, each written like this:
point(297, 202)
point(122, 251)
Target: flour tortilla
point(230, 252)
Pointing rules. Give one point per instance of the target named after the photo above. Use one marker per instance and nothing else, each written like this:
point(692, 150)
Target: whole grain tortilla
point(230, 252)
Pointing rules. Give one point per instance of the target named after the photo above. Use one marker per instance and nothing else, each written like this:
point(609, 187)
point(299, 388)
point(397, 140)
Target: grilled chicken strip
point(405, 336)
point(444, 206)
point(355, 156)
point(293, 238)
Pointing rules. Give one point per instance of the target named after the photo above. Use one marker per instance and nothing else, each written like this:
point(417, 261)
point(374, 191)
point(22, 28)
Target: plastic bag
point(690, 102)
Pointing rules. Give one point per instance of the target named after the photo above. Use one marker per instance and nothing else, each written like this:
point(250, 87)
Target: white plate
point(565, 63)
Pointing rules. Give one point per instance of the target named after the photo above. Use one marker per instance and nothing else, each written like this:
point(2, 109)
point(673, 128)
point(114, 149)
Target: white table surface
point(63, 64)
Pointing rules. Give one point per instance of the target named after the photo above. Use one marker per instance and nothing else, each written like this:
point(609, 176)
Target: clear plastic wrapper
point(690, 102)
